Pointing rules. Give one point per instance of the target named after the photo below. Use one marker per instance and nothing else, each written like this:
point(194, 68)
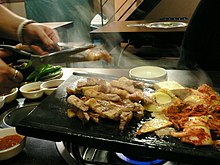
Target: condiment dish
point(8, 97)
point(32, 90)
point(2, 101)
point(49, 86)
point(149, 72)
point(9, 150)
point(36, 90)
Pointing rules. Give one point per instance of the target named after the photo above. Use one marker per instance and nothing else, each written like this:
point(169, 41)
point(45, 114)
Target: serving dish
point(32, 90)
point(49, 121)
point(49, 86)
point(8, 97)
point(36, 90)
point(149, 72)
point(14, 150)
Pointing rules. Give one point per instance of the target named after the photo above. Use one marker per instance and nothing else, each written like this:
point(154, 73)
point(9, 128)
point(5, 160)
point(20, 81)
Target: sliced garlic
point(162, 98)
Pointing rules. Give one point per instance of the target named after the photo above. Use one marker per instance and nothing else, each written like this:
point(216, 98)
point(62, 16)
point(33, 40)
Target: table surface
point(123, 27)
point(115, 32)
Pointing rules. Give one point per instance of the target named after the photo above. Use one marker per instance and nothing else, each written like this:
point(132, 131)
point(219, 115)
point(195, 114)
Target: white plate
point(166, 25)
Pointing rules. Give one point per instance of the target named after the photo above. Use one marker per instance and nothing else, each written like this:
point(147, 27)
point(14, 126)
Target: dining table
point(137, 33)
point(42, 151)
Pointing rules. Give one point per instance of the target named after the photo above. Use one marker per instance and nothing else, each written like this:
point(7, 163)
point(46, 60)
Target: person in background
point(201, 42)
point(27, 32)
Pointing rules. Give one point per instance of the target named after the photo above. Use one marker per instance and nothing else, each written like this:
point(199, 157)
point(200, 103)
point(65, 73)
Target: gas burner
point(79, 155)
point(140, 161)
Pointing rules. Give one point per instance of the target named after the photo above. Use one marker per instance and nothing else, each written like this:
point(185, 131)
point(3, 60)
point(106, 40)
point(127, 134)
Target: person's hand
point(34, 49)
point(41, 34)
point(5, 53)
point(9, 78)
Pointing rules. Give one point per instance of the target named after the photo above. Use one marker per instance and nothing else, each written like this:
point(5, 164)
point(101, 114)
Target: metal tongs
point(62, 56)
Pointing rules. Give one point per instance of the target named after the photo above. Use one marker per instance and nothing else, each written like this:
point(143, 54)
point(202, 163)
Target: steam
point(79, 12)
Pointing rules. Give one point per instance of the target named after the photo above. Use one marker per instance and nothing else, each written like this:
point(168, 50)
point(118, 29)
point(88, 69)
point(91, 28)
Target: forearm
point(9, 23)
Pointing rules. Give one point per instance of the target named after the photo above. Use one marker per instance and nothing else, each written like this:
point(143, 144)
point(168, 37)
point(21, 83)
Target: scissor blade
point(66, 55)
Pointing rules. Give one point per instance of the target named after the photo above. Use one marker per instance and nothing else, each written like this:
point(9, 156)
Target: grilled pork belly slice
point(105, 109)
point(91, 81)
point(78, 103)
point(122, 93)
point(138, 111)
point(125, 118)
point(99, 95)
point(74, 112)
point(84, 116)
point(122, 85)
point(130, 82)
point(95, 54)
point(71, 113)
point(113, 100)
point(114, 111)
point(71, 91)
point(139, 96)
point(94, 117)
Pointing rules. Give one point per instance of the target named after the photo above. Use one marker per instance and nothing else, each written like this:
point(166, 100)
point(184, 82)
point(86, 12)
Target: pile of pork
point(119, 100)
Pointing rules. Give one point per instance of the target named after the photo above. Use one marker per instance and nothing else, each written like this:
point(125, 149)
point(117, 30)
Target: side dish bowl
point(149, 72)
point(50, 86)
point(36, 90)
point(13, 150)
point(8, 97)
point(32, 90)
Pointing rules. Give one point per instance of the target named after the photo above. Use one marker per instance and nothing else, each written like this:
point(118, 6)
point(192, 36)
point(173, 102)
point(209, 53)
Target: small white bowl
point(12, 151)
point(9, 97)
point(32, 90)
point(51, 85)
point(149, 73)
point(2, 101)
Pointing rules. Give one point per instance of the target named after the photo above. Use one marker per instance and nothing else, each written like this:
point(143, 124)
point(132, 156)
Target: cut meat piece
point(140, 96)
point(78, 103)
point(105, 109)
point(118, 84)
point(122, 93)
point(125, 118)
point(130, 82)
point(99, 95)
point(95, 54)
point(113, 100)
point(91, 81)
